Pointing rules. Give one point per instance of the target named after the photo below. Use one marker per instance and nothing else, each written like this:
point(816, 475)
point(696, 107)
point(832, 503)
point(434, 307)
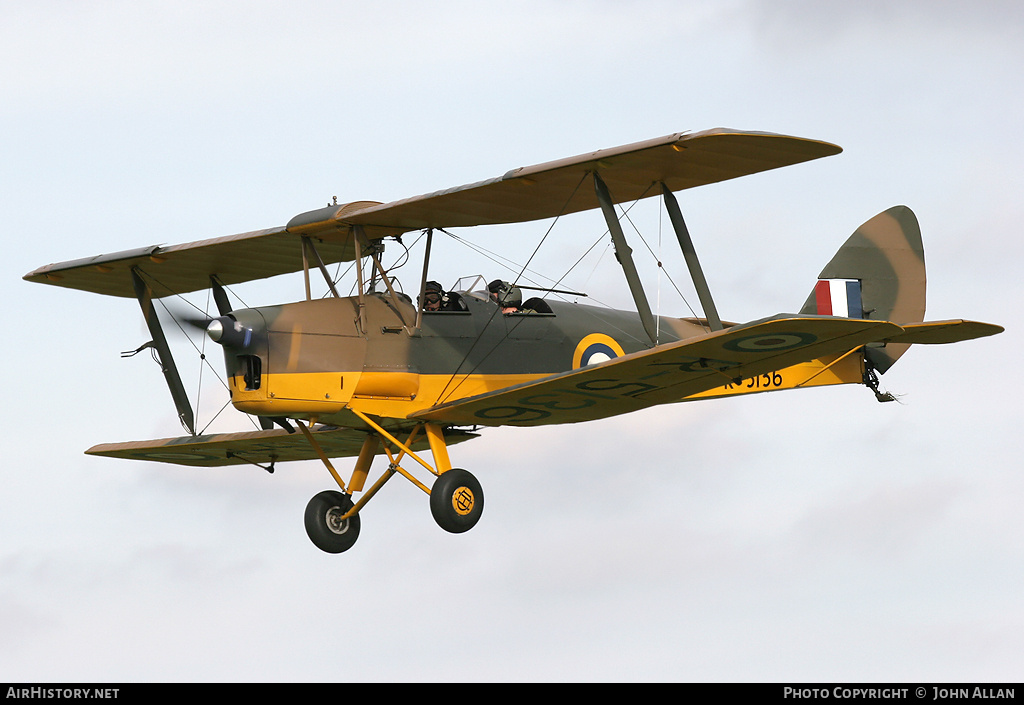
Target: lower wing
point(254, 447)
point(666, 373)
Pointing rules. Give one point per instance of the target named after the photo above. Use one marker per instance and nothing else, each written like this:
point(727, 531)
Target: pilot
point(508, 297)
point(436, 299)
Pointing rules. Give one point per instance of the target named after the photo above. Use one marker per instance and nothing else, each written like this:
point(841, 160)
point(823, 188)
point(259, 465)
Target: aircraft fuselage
point(313, 359)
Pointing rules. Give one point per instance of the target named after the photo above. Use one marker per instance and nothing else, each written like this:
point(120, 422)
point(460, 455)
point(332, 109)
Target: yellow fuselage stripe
point(401, 394)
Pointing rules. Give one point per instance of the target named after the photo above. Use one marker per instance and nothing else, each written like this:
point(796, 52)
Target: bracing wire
point(444, 395)
point(658, 260)
point(205, 362)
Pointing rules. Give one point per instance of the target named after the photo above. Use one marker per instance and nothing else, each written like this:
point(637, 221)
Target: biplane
point(379, 372)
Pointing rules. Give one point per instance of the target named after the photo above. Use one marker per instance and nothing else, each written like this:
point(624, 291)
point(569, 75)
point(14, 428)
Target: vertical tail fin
point(882, 265)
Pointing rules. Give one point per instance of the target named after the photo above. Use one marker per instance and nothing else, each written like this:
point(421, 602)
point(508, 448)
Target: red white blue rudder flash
point(838, 297)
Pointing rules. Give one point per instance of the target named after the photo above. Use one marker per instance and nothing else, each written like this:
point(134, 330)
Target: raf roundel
point(595, 348)
point(770, 343)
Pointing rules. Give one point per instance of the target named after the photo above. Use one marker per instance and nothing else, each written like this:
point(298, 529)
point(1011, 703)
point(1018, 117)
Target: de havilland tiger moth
point(382, 372)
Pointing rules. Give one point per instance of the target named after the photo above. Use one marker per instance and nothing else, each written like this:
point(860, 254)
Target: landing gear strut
point(456, 497)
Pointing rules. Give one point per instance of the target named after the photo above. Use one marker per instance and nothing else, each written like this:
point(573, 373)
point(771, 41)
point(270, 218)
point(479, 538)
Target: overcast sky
point(802, 536)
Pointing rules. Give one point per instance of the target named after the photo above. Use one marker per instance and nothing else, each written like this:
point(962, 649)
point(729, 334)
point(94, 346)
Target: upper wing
point(253, 447)
point(178, 269)
point(664, 374)
point(632, 171)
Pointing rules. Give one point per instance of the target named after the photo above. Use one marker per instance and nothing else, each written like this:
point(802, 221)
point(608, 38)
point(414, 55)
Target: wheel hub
point(335, 522)
point(462, 500)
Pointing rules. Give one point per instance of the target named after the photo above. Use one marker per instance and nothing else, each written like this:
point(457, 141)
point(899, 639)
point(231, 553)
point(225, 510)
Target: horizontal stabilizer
point(253, 447)
point(937, 332)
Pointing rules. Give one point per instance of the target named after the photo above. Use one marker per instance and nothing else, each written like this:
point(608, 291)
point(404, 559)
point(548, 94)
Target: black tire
point(322, 525)
point(456, 501)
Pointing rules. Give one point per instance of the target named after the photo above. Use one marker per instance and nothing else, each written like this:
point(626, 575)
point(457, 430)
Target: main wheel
point(324, 525)
point(456, 501)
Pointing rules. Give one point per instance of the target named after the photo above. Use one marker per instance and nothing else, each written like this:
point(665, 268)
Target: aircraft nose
point(228, 332)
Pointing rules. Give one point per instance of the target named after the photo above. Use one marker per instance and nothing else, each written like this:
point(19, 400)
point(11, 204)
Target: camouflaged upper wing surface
point(666, 373)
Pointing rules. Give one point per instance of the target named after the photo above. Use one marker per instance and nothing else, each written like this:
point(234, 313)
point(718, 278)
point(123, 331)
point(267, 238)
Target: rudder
point(886, 256)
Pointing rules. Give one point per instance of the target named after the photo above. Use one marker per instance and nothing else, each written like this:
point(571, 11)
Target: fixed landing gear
point(325, 524)
point(456, 498)
point(456, 501)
